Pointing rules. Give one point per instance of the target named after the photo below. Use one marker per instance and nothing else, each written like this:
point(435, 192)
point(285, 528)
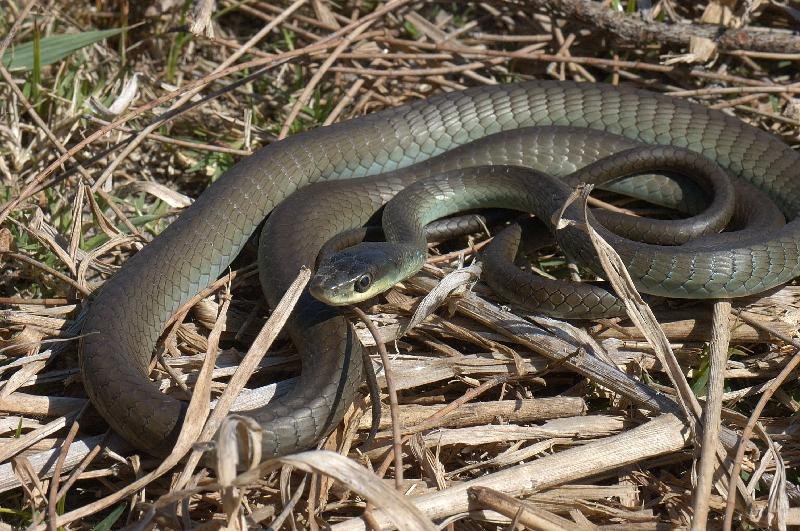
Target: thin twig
point(52, 499)
point(394, 407)
point(49, 270)
point(15, 26)
point(317, 77)
point(754, 416)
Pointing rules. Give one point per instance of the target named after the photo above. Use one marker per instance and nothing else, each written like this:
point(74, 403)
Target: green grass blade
point(108, 522)
point(36, 74)
point(53, 48)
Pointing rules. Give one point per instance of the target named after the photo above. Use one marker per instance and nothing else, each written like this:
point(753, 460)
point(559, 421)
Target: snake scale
point(124, 319)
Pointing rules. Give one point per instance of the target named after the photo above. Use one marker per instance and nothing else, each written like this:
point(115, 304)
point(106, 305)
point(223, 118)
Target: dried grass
point(505, 421)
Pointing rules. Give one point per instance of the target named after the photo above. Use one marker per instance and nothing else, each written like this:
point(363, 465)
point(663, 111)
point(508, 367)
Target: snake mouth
point(339, 294)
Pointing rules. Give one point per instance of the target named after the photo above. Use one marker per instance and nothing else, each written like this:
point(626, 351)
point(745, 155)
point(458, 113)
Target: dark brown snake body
point(123, 321)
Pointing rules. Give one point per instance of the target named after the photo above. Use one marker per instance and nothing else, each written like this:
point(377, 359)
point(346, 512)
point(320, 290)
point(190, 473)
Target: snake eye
point(362, 283)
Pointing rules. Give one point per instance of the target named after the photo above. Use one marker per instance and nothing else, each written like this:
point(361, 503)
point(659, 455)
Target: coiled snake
point(128, 313)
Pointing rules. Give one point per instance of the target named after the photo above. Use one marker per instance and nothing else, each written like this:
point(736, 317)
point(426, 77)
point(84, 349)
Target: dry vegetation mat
point(115, 115)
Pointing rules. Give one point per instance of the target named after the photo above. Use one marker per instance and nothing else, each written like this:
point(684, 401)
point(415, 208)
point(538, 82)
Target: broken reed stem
point(520, 511)
point(634, 28)
point(572, 353)
point(706, 466)
point(638, 310)
point(471, 394)
point(661, 435)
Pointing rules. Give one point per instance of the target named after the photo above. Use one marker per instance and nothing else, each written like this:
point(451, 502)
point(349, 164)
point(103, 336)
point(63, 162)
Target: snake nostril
point(316, 285)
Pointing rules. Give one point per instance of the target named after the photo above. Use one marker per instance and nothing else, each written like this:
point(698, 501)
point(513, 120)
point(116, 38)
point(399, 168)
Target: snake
point(361, 272)
point(123, 320)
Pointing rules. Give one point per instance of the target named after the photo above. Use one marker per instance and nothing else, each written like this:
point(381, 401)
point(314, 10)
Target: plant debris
point(115, 115)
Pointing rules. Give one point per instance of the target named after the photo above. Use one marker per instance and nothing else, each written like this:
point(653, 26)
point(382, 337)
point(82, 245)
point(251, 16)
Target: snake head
point(363, 271)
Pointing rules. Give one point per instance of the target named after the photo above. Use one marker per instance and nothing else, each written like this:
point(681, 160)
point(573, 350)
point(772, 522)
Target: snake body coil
point(124, 320)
